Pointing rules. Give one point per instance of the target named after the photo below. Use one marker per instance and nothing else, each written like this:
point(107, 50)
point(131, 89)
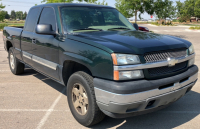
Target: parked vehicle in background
point(141, 28)
point(108, 66)
point(194, 19)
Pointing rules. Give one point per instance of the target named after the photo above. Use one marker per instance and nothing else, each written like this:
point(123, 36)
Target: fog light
point(191, 62)
point(127, 75)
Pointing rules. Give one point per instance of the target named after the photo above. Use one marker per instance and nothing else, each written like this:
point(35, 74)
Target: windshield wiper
point(87, 29)
point(122, 28)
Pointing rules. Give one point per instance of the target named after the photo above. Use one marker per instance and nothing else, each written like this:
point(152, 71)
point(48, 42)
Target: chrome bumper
point(106, 97)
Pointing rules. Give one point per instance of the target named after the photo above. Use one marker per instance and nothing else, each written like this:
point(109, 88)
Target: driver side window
point(48, 17)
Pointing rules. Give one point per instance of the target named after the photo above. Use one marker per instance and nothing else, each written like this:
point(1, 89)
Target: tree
point(24, 15)
point(7, 16)
point(19, 15)
point(131, 8)
point(2, 13)
point(124, 8)
point(13, 14)
point(102, 3)
point(164, 9)
point(197, 9)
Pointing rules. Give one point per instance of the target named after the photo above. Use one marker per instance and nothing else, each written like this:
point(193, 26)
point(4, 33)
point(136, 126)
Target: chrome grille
point(163, 55)
point(167, 70)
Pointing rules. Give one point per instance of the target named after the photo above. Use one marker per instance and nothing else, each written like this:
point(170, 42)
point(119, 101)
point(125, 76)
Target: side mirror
point(45, 29)
point(135, 26)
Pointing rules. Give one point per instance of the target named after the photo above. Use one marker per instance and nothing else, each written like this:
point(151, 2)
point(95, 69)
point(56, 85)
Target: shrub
point(195, 28)
point(2, 26)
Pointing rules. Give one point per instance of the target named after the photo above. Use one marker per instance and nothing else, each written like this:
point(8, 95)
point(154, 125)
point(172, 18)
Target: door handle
point(34, 41)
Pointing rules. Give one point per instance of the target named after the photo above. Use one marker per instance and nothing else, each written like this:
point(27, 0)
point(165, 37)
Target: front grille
point(163, 55)
point(166, 70)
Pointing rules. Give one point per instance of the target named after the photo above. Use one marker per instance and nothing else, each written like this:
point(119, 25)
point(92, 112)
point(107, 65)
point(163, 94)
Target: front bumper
point(143, 100)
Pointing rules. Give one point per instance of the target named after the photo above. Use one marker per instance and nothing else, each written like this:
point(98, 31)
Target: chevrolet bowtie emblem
point(172, 62)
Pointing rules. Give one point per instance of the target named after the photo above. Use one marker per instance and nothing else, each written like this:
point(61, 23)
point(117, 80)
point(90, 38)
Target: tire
point(16, 67)
point(93, 114)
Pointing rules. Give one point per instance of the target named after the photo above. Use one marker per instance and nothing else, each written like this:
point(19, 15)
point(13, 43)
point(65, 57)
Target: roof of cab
point(72, 4)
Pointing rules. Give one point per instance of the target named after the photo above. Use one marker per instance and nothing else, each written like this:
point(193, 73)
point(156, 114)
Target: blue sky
point(25, 5)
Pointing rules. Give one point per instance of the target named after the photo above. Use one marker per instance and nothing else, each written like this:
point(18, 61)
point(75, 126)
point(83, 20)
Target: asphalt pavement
point(33, 101)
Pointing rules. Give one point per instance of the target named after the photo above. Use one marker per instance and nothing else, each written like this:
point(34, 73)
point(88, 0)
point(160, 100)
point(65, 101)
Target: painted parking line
point(30, 110)
point(4, 70)
point(50, 110)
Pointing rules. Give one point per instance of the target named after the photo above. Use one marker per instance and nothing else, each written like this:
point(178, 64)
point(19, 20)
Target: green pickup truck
point(109, 67)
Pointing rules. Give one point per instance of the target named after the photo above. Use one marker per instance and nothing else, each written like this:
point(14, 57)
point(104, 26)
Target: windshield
point(85, 19)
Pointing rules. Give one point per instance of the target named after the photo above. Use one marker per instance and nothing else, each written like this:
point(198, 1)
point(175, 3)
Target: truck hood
point(132, 42)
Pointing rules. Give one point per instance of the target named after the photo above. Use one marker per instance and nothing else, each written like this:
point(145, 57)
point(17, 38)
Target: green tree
point(2, 13)
point(131, 8)
point(164, 9)
point(197, 9)
point(24, 15)
point(102, 3)
point(19, 15)
point(7, 16)
point(13, 15)
point(188, 9)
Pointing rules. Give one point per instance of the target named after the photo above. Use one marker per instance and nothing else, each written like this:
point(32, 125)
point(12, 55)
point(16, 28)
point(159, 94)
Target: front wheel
point(82, 101)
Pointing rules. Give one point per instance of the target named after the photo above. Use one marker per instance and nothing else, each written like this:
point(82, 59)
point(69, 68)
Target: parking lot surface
point(33, 101)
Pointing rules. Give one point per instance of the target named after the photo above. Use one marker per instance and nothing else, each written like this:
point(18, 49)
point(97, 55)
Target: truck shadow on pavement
point(57, 86)
point(180, 112)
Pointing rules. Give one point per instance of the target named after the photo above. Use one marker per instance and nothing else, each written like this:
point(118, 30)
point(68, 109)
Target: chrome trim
point(41, 61)
point(45, 62)
point(18, 49)
point(107, 97)
point(151, 65)
point(27, 55)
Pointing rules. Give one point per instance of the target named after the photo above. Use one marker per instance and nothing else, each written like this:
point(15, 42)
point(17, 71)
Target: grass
point(191, 24)
point(195, 28)
point(167, 24)
point(2, 25)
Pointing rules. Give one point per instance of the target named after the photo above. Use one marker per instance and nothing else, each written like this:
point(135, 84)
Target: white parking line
point(4, 70)
point(30, 110)
point(50, 110)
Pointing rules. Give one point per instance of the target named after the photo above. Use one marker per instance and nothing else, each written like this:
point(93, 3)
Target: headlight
point(125, 59)
point(191, 50)
point(127, 75)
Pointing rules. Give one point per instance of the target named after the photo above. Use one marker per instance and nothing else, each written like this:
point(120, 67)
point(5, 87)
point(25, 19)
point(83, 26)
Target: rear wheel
point(16, 67)
point(82, 101)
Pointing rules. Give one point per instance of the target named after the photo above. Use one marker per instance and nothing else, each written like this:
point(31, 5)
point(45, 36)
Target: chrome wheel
point(12, 61)
point(80, 99)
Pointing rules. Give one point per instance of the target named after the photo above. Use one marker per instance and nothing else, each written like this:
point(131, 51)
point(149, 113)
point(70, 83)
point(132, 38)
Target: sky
point(25, 5)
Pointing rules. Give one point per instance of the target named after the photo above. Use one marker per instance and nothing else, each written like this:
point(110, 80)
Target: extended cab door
point(27, 35)
point(45, 47)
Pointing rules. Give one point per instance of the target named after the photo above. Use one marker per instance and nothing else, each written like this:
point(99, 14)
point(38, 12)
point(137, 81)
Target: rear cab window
point(31, 19)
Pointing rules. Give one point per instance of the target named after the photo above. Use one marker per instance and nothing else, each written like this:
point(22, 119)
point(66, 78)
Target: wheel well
point(70, 67)
point(8, 45)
